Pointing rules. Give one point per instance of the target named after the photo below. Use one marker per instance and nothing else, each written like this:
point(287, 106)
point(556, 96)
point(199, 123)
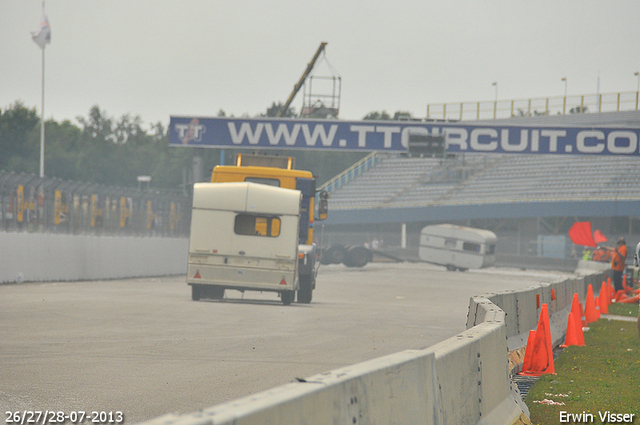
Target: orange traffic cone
point(611, 294)
point(604, 304)
point(526, 362)
point(631, 300)
point(576, 309)
point(584, 321)
point(607, 293)
point(541, 362)
point(590, 313)
point(571, 338)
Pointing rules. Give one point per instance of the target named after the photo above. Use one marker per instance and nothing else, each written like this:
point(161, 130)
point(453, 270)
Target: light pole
point(495, 103)
point(564, 104)
point(637, 74)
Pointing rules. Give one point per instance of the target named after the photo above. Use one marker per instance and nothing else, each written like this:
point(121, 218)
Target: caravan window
point(450, 243)
point(491, 249)
point(252, 225)
point(470, 246)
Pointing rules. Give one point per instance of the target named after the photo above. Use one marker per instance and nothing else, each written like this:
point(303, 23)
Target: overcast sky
point(157, 58)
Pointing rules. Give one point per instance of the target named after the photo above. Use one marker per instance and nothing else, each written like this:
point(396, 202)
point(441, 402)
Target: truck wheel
point(357, 256)
point(195, 292)
point(336, 254)
point(324, 255)
point(216, 292)
point(305, 293)
point(287, 297)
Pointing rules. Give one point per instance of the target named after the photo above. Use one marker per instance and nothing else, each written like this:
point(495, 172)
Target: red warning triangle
point(197, 276)
point(283, 282)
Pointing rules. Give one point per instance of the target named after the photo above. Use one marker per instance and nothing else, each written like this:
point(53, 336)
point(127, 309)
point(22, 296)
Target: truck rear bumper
point(241, 278)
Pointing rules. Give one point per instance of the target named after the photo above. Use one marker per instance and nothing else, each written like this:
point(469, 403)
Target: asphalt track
point(142, 347)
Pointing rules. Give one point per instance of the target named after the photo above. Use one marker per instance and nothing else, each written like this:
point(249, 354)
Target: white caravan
point(244, 236)
point(457, 247)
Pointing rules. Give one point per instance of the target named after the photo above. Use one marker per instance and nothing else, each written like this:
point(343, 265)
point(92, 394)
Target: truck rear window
point(263, 180)
point(255, 225)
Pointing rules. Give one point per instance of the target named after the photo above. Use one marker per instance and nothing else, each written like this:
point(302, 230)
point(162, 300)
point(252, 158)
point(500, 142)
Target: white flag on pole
point(43, 35)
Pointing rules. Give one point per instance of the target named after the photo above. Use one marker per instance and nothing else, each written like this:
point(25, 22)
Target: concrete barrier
point(539, 263)
point(462, 380)
point(400, 389)
point(56, 257)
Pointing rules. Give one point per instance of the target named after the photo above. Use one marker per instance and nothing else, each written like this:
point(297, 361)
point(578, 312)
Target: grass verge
point(602, 376)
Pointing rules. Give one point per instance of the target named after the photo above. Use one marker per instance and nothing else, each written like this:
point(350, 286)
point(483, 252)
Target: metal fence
point(351, 173)
point(29, 203)
point(594, 103)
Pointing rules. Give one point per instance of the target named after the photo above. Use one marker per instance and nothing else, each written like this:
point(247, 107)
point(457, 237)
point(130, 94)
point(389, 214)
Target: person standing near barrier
point(618, 259)
point(636, 256)
point(636, 263)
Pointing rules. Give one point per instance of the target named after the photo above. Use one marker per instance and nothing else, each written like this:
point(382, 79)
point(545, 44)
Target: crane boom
point(299, 84)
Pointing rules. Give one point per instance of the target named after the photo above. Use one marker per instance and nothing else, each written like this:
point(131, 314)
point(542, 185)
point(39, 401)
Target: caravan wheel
point(195, 292)
point(287, 297)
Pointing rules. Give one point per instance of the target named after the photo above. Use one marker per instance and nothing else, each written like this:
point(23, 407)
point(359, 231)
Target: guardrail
point(579, 104)
point(29, 203)
point(464, 379)
point(351, 173)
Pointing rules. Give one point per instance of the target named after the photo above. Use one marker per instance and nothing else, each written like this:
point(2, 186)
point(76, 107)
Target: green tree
point(402, 115)
point(104, 150)
point(96, 162)
point(377, 116)
point(19, 139)
point(272, 111)
point(384, 116)
point(62, 147)
point(579, 110)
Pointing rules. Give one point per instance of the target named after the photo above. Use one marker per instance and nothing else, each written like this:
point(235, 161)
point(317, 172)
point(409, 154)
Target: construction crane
point(299, 84)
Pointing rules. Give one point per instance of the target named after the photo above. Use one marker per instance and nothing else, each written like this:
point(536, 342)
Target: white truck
point(244, 236)
point(457, 247)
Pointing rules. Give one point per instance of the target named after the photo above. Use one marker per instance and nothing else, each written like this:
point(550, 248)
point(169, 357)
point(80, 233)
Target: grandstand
point(399, 182)
point(522, 197)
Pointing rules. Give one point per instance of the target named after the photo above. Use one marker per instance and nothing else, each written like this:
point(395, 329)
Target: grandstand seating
point(399, 181)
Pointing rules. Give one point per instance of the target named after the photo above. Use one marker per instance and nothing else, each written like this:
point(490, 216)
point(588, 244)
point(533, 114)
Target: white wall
point(51, 257)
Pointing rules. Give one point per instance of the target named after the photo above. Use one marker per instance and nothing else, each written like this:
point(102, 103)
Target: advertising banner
point(393, 136)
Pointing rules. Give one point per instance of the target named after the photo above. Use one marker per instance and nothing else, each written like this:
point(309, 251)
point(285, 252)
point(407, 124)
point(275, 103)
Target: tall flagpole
point(42, 113)
point(42, 118)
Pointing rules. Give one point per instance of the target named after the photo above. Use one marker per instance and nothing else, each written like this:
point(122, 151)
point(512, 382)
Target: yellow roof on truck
point(222, 173)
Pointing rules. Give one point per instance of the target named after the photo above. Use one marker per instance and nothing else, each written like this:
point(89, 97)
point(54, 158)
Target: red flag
point(599, 237)
point(580, 234)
